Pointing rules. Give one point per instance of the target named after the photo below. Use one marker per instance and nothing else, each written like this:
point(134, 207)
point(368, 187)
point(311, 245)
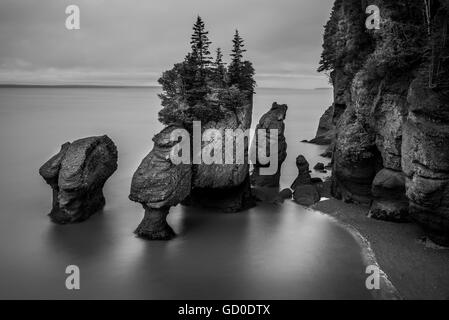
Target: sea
point(268, 252)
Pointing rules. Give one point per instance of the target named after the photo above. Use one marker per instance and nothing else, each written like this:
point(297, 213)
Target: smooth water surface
point(269, 252)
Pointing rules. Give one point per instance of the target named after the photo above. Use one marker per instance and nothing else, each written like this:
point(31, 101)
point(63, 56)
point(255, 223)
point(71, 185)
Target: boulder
point(389, 210)
point(304, 187)
point(159, 184)
point(390, 202)
point(319, 167)
point(306, 195)
point(303, 172)
point(286, 193)
point(77, 175)
point(272, 120)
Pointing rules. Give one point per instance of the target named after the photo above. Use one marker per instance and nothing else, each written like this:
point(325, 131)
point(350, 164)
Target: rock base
point(79, 209)
point(154, 225)
point(229, 200)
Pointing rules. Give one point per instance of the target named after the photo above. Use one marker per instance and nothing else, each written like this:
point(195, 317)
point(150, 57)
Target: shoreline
point(416, 268)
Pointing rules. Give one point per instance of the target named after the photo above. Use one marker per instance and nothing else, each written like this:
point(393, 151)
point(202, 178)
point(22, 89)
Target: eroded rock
point(272, 120)
point(77, 175)
point(305, 192)
point(159, 184)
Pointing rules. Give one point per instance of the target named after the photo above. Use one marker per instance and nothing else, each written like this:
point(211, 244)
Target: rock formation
point(303, 172)
point(425, 159)
point(224, 187)
point(272, 120)
point(158, 184)
point(326, 128)
point(304, 191)
point(389, 150)
point(77, 175)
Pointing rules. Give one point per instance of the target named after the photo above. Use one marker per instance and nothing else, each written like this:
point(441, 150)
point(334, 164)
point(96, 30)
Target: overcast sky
point(131, 42)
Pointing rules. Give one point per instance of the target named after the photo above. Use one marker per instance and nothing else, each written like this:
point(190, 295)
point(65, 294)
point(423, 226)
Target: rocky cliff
point(390, 118)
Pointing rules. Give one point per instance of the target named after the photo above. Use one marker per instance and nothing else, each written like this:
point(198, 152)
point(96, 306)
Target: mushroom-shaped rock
point(159, 184)
point(77, 175)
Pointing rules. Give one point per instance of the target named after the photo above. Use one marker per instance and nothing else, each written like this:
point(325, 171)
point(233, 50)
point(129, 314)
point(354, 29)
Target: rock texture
point(224, 187)
point(304, 190)
point(77, 175)
point(158, 184)
point(272, 120)
point(390, 144)
point(425, 160)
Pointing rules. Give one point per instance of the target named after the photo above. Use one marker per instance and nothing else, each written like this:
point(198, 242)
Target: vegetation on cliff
point(200, 88)
point(390, 113)
point(409, 38)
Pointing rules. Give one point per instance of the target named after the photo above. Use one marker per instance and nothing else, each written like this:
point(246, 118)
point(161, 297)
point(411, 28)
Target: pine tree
point(200, 44)
point(219, 71)
point(235, 67)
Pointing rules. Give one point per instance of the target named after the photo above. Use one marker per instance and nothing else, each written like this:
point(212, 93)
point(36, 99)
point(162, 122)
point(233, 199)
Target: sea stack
point(272, 120)
point(158, 184)
point(304, 191)
point(77, 175)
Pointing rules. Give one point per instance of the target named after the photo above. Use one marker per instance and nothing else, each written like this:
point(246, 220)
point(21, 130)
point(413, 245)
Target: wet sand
point(417, 268)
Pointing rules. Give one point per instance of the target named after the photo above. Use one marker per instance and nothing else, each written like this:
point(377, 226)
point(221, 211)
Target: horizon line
point(20, 85)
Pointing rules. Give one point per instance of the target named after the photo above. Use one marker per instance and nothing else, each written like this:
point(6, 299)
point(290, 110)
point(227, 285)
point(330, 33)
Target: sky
point(131, 42)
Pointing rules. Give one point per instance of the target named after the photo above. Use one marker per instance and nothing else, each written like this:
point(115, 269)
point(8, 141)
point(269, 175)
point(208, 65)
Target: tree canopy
point(199, 89)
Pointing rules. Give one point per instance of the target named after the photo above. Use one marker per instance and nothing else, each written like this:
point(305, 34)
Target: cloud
point(134, 41)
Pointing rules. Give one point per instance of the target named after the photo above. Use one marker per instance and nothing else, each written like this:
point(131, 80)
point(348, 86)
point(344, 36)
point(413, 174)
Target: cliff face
point(389, 141)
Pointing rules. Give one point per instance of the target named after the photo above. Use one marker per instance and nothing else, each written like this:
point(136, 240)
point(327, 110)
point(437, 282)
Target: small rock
point(319, 166)
point(306, 195)
point(303, 172)
point(286, 193)
point(392, 211)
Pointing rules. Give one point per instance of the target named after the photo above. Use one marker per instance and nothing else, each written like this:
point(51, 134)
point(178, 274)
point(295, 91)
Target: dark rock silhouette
point(286, 193)
point(319, 166)
point(305, 191)
point(158, 184)
point(77, 175)
point(272, 120)
point(303, 172)
point(306, 195)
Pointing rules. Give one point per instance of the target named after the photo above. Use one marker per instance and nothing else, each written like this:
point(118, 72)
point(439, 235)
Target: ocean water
point(268, 252)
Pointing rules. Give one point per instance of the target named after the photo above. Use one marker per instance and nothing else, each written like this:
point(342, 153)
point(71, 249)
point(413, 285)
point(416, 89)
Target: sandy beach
point(415, 266)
